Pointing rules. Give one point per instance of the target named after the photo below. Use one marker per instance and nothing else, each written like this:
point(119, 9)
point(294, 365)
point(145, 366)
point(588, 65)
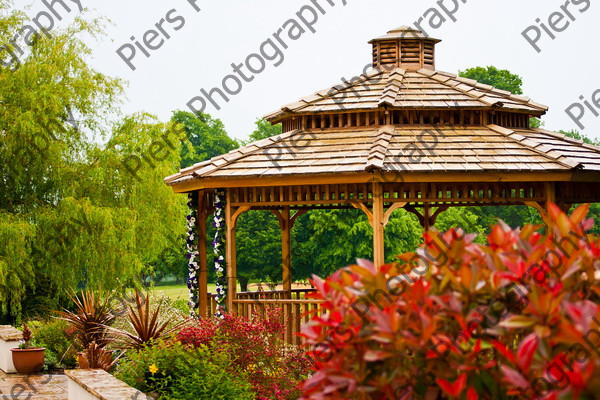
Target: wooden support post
point(230, 252)
point(203, 270)
point(378, 225)
point(286, 223)
point(550, 193)
point(426, 217)
point(286, 250)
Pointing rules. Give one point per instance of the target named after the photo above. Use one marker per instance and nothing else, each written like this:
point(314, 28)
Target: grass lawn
point(176, 292)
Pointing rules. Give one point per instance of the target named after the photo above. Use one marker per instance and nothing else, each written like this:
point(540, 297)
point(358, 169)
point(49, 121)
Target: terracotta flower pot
point(28, 361)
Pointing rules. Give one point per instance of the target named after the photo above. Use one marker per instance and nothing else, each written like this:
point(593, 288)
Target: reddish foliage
point(519, 318)
point(274, 368)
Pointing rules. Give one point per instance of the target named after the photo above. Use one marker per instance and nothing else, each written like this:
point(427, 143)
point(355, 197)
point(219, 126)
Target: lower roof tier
point(398, 149)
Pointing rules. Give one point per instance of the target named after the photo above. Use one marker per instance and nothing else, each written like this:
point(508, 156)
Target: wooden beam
point(239, 211)
point(411, 209)
point(378, 225)
point(230, 252)
point(279, 216)
point(565, 207)
point(286, 251)
point(295, 217)
point(437, 213)
point(550, 190)
point(426, 217)
point(202, 266)
point(364, 177)
point(363, 207)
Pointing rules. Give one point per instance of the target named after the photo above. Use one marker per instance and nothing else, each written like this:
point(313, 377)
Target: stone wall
point(9, 339)
point(97, 384)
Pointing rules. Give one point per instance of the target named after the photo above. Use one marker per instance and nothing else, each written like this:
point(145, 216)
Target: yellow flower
point(153, 369)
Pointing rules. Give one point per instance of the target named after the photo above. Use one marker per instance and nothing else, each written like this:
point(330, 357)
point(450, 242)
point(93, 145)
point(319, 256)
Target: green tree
point(499, 78)
point(159, 214)
point(340, 237)
point(264, 129)
point(575, 134)
point(259, 248)
point(49, 104)
point(206, 135)
point(259, 234)
point(71, 214)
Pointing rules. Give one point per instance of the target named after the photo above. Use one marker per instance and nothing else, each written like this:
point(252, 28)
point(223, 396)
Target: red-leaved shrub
point(275, 369)
point(516, 319)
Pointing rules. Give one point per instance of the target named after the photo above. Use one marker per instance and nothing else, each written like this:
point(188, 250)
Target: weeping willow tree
point(71, 215)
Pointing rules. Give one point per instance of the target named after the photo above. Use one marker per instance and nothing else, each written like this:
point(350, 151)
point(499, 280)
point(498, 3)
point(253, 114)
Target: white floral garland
point(219, 253)
point(192, 253)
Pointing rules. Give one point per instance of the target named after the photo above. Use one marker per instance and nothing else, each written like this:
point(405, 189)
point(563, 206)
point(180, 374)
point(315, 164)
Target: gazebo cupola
point(405, 48)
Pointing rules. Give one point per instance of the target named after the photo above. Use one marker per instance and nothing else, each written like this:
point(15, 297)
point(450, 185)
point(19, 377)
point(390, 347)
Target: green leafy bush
point(178, 372)
point(54, 335)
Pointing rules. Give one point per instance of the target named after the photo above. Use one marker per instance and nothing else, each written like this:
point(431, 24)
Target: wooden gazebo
point(400, 136)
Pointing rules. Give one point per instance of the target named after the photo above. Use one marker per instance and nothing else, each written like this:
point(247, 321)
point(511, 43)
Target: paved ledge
point(9, 333)
point(93, 384)
point(33, 387)
point(9, 339)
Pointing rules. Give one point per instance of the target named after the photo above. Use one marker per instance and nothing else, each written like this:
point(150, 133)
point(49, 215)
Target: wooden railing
point(294, 308)
point(297, 294)
point(292, 313)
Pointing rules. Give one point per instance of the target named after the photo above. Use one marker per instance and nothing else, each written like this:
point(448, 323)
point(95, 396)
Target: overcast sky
point(200, 53)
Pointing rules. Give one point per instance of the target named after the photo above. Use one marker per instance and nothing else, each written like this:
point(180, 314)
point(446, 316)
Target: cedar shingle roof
point(422, 89)
point(395, 148)
point(404, 80)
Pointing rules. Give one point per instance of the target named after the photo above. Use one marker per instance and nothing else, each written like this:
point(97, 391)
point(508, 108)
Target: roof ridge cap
point(578, 142)
point(526, 142)
point(260, 144)
point(379, 149)
point(263, 144)
point(490, 89)
point(445, 83)
point(392, 87)
point(329, 92)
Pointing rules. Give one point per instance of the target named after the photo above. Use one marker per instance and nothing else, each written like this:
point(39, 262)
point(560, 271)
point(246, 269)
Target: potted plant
point(28, 360)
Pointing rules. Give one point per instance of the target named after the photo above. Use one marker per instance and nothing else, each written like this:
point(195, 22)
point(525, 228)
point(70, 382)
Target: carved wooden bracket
point(430, 219)
point(238, 211)
point(386, 216)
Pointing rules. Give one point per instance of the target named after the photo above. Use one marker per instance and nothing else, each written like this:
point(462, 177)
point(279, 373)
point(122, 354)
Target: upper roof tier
point(400, 80)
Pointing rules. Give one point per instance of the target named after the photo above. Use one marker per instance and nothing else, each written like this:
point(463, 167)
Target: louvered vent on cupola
point(406, 48)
